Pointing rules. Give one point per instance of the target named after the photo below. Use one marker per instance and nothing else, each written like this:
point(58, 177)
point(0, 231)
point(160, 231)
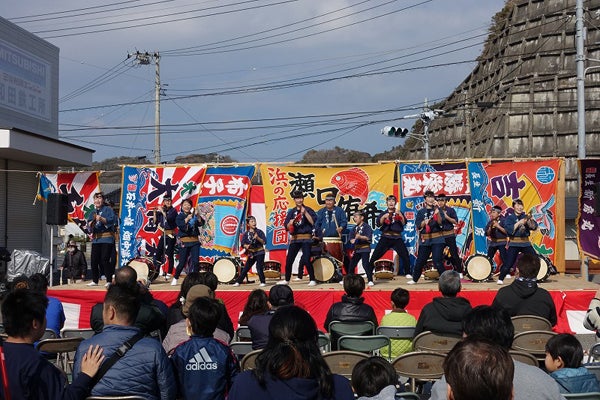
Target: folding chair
point(533, 342)
point(342, 362)
point(594, 369)
point(398, 333)
point(249, 360)
point(420, 365)
point(524, 323)
point(364, 344)
point(352, 328)
point(582, 396)
point(435, 342)
point(48, 334)
point(61, 347)
point(242, 334)
point(84, 333)
point(240, 349)
point(324, 342)
point(524, 357)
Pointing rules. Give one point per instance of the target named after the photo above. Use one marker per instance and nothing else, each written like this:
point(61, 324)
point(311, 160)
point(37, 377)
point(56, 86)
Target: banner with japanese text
point(142, 193)
point(534, 182)
point(588, 218)
point(223, 198)
point(358, 187)
point(78, 186)
point(448, 178)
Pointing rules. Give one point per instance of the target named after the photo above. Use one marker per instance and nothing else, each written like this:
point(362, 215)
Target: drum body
point(479, 268)
point(272, 269)
point(544, 272)
point(205, 266)
point(324, 267)
point(384, 269)
point(227, 269)
point(145, 268)
point(334, 247)
point(430, 271)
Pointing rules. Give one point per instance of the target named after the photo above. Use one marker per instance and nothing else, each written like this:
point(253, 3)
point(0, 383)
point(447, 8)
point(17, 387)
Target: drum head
point(272, 269)
point(226, 269)
point(479, 268)
point(324, 268)
point(544, 271)
point(384, 269)
point(141, 268)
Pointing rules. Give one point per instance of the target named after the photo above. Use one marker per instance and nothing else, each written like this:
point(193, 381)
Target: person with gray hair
point(445, 314)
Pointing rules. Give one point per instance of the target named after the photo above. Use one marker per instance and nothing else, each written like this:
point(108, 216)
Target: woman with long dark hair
point(257, 303)
point(291, 365)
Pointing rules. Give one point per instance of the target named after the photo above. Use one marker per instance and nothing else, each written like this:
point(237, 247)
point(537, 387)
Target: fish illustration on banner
point(222, 203)
point(142, 192)
point(357, 187)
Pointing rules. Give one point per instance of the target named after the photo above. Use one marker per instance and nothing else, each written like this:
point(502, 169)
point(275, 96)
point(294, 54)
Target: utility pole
point(145, 58)
point(580, 60)
point(467, 125)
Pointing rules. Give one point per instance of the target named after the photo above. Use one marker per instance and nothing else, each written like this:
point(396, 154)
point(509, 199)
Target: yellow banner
point(355, 188)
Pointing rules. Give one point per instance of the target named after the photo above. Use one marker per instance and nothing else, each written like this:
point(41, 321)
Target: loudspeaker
point(58, 209)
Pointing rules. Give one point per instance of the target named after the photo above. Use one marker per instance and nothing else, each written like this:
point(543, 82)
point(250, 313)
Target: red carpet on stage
point(78, 303)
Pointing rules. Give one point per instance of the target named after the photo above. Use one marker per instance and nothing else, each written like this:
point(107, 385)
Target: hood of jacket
point(523, 288)
point(452, 308)
point(386, 393)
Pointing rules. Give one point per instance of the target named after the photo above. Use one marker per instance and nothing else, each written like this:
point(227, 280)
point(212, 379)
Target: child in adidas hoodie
point(204, 366)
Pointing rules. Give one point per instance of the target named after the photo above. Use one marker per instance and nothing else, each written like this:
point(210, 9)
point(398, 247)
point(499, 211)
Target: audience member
point(592, 317)
point(374, 378)
point(225, 323)
point(149, 317)
point(444, 315)
point(494, 323)
point(279, 296)
point(178, 333)
point(257, 303)
point(399, 317)
point(523, 296)
point(205, 366)
point(291, 365)
point(144, 370)
point(55, 314)
point(564, 355)
point(352, 308)
point(477, 368)
point(174, 314)
point(30, 375)
point(74, 264)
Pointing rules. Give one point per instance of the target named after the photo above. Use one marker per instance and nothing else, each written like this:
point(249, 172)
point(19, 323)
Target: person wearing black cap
point(165, 216)
point(391, 222)
point(299, 222)
point(449, 219)
point(518, 226)
point(331, 223)
point(428, 223)
point(279, 296)
point(101, 223)
point(496, 235)
point(74, 262)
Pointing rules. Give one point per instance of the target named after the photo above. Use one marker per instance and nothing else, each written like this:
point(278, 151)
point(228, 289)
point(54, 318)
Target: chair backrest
point(524, 323)
point(525, 358)
point(84, 333)
point(59, 345)
point(242, 334)
point(249, 360)
point(435, 342)
point(533, 342)
point(594, 369)
point(324, 342)
point(594, 353)
point(421, 365)
point(370, 344)
point(582, 396)
point(355, 328)
point(124, 397)
point(342, 362)
point(397, 332)
point(49, 334)
point(240, 349)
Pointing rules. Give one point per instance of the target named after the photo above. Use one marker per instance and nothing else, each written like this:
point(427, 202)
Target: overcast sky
point(258, 80)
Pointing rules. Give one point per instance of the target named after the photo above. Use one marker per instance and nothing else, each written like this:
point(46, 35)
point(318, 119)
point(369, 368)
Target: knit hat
point(194, 293)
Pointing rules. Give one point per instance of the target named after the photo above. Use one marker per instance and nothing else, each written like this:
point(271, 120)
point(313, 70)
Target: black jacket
point(350, 309)
point(149, 317)
point(524, 297)
point(443, 315)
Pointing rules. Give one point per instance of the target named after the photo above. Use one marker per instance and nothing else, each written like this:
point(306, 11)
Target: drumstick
point(336, 225)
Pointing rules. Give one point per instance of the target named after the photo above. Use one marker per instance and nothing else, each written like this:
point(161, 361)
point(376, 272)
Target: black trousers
point(293, 250)
point(398, 245)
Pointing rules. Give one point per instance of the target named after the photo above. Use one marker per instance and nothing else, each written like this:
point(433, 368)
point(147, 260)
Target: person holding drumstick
point(253, 241)
point(189, 223)
point(361, 237)
point(496, 235)
point(391, 222)
point(165, 216)
point(331, 223)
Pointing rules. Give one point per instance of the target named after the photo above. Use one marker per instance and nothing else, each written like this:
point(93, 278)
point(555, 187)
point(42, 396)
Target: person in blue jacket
point(205, 367)
point(102, 222)
point(291, 366)
point(361, 237)
point(144, 370)
point(253, 241)
point(188, 222)
point(518, 226)
point(30, 375)
point(564, 355)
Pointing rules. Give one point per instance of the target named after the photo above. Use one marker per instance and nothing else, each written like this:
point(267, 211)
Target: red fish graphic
point(354, 182)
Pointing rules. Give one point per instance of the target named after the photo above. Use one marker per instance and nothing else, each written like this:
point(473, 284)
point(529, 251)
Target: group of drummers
point(318, 235)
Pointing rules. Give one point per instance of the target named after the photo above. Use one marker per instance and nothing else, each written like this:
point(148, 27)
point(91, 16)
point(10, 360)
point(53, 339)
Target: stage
point(571, 295)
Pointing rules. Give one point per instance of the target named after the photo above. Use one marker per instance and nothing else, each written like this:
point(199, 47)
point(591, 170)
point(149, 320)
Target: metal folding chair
point(61, 347)
point(242, 334)
point(524, 323)
point(524, 357)
point(324, 342)
point(435, 342)
point(352, 328)
point(240, 349)
point(249, 360)
point(371, 344)
point(533, 342)
point(342, 362)
point(84, 333)
point(582, 396)
point(420, 365)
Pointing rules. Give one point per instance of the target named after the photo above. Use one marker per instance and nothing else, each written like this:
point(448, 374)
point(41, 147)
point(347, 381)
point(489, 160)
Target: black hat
point(390, 197)
point(441, 196)
point(428, 193)
point(167, 197)
point(297, 194)
point(518, 201)
point(497, 208)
